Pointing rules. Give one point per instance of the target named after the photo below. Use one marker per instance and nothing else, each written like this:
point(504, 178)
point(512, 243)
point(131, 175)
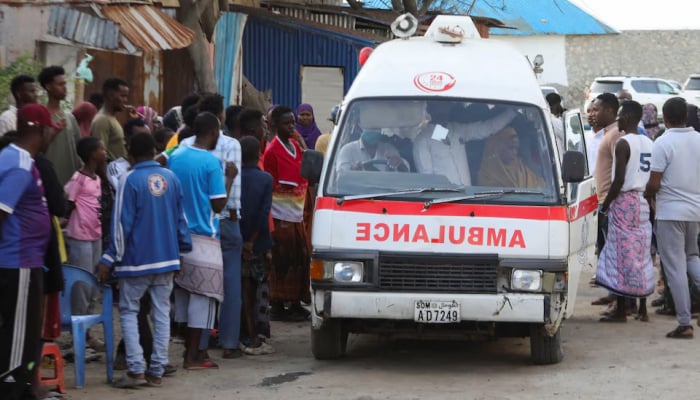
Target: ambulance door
point(583, 211)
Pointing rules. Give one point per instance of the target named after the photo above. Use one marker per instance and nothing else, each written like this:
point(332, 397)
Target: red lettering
point(517, 239)
point(421, 235)
point(454, 239)
point(476, 236)
point(401, 231)
point(362, 232)
point(441, 237)
point(496, 238)
point(383, 237)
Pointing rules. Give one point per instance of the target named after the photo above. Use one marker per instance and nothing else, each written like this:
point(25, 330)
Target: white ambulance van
point(447, 208)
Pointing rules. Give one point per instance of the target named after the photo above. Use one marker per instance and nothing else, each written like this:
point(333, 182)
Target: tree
point(201, 16)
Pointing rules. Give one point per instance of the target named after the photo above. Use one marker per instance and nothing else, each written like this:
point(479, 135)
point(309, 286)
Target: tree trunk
point(355, 4)
point(190, 13)
point(397, 5)
point(411, 6)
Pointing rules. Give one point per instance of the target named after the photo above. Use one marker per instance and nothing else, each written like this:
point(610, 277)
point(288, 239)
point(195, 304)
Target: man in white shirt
point(370, 153)
point(674, 182)
point(117, 168)
point(23, 88)
point(441, 150)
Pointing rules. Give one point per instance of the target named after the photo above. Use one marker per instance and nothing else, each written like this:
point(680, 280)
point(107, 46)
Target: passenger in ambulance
point(370, 153)
point(440, 147)
point(502, 165)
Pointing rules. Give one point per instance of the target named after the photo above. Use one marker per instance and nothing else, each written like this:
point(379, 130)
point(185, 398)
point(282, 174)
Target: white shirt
point(676, 156)
point(227, 150)
point(639, 165)
point(8, 120)
point(593, 144)
point(449, 157)
point(115, 170)
point(560, 140)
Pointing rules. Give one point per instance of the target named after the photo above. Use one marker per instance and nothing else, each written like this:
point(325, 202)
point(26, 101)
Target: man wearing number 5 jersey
point(674, 181)
point(625, 266)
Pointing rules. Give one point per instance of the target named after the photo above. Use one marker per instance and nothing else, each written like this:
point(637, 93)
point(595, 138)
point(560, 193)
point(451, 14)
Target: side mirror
point(311, 166)
point(573, 168)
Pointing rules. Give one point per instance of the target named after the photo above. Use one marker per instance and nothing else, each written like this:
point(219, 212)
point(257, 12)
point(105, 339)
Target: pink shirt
point(84, 222)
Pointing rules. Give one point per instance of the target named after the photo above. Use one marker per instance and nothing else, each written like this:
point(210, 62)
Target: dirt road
point(625, 361)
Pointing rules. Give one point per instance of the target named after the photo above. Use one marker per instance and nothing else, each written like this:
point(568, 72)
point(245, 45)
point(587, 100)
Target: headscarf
point(651, 124)
point(310, 133)
point(494, 172)
point(84, 113)
point(147, 114)
point(173, 118)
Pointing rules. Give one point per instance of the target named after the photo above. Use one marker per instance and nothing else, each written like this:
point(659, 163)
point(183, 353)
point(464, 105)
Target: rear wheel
point(545, 349)
point(329, 341)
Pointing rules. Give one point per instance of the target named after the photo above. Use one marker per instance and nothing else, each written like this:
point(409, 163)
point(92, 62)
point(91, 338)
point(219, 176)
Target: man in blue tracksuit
point(149, 231)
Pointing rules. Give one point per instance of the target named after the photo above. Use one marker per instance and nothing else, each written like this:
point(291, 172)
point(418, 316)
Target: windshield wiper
point(479, 195)
point(343, 199)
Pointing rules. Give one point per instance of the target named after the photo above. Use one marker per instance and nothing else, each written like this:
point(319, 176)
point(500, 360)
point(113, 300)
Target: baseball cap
point(35, 115)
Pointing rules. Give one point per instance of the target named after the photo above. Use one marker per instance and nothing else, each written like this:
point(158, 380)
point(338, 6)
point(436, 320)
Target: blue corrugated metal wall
point(274, 51)
point(227, 44)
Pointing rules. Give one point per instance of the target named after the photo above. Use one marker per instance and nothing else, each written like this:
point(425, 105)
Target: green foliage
point(24, 64)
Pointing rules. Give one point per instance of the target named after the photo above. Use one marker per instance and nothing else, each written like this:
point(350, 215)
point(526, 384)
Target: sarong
point(202, 269)
point(289, 275)
point(625, 266)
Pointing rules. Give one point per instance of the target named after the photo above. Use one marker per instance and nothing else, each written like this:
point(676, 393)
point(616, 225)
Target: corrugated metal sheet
point(275, 50)
point(528, 17)
point(69, 23)
point(148, 28)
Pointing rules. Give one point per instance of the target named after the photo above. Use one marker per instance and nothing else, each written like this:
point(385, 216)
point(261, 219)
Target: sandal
point(613, 319)
point(681, 332)
point(603, 301)
point(169, 369)
point(154, 381)
point(130, 381)
point(665, 311)
point(197, 365)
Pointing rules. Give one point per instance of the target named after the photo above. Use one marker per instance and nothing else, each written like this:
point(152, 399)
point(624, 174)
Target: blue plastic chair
point(79, 324)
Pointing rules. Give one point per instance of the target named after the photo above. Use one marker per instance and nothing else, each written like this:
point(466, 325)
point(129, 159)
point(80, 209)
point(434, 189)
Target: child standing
point(84, 230)
point(256, 201)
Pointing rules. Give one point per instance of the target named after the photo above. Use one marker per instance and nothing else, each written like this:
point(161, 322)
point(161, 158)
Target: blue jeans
point(159, 287)
point(230, 308)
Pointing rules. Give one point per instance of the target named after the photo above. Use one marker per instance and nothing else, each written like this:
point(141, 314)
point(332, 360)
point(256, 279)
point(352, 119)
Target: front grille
point(436, 273)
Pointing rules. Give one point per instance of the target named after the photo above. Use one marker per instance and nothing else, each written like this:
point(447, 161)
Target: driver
point(370, 153)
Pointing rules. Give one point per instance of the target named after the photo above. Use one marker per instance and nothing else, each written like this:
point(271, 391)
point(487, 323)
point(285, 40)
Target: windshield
point(606, 87)
point(442, 149)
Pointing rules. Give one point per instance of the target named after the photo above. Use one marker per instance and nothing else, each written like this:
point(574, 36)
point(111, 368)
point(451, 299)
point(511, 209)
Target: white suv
point(643, 89)
point(691, 89)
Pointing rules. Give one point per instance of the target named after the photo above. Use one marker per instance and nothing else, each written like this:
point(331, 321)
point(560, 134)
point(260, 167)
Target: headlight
point(348, 271)
point(529, 281)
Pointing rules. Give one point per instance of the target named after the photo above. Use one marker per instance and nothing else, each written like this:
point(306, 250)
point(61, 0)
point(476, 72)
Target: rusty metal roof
point(149, 28)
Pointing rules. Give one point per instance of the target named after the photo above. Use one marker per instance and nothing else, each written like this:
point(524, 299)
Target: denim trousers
point(230, 308)
point(131, 290)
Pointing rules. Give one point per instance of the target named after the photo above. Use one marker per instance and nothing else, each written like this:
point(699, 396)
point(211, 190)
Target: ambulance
point(447, 207)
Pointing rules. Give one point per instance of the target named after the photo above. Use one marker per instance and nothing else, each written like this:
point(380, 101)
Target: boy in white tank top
point(625, 266)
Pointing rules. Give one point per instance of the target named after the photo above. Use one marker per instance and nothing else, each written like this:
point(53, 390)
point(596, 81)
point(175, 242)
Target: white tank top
point(639, 164)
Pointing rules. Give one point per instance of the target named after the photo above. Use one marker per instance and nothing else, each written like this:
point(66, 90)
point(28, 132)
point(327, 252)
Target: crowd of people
point(221, 193)
point(646, 177)
point(218, 189)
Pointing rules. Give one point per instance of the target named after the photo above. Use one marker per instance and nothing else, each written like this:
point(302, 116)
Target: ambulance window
point(461, 145)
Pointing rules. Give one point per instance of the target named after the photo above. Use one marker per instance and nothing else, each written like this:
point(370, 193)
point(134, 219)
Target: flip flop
point(206, 364)
point(612, 319)
point(128, 381)
point(681, 332)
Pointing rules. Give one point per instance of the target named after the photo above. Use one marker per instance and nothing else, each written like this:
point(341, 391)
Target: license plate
point(436, 312)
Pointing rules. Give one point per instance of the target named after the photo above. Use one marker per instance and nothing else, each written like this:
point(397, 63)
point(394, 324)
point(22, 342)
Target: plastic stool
point(51, 352)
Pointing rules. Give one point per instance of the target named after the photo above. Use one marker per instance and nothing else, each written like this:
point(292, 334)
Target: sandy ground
point(625, 361)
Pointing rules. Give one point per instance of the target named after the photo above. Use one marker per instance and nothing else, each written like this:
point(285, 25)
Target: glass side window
point(665, 88)
point(692, 84)
point(453, 146)
point(645, 86)
point(575, 135)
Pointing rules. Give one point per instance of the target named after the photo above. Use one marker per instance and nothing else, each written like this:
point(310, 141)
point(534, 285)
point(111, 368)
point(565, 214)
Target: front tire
point(545, 349)
point(329, 341)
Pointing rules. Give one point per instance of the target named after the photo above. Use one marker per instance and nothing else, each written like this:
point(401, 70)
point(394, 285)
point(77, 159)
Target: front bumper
point(506, 307)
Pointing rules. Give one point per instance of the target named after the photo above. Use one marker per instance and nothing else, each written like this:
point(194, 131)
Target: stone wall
point(664, 54)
